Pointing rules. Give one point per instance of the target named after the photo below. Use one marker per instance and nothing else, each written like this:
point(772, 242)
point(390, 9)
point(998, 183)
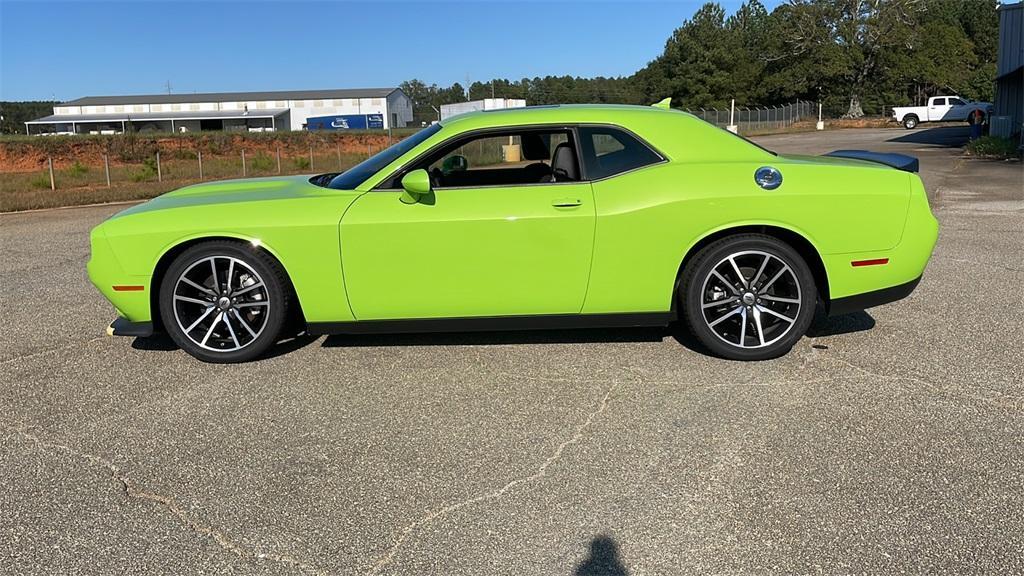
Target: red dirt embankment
point(29, 154)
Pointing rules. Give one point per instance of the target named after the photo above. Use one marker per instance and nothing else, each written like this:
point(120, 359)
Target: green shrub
point(146, 172)
point(301, 163)
point(78, 169)
point(992, 147)
point(41, 181)
point(263, 162)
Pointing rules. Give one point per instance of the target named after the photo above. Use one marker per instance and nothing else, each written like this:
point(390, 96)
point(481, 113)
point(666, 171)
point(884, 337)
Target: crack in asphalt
point(132, 491)
point(52, 350)
point(975, 262)
point(1013, 403)
point(540, 473)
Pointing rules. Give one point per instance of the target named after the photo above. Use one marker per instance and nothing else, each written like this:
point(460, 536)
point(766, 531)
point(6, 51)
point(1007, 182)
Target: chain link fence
point(756, 119)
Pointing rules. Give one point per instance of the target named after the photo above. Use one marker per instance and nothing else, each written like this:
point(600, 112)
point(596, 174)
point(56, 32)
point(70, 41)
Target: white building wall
point(396, 109)
point(400, 110)
point(303, 109)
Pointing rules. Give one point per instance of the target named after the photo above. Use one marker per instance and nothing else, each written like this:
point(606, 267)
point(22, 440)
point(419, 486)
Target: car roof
point(553, 114)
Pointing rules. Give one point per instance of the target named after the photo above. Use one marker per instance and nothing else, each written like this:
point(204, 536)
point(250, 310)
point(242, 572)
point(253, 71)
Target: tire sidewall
point(701, 266)
point(251, 257)
point(910, 122)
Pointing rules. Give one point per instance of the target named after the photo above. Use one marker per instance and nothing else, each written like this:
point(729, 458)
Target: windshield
point(356, 175)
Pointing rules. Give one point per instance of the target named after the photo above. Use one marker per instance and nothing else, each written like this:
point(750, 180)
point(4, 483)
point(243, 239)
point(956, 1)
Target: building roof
point(231, 96)
point(154, 116)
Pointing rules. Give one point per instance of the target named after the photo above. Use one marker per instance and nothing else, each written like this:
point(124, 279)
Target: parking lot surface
point(886, 441)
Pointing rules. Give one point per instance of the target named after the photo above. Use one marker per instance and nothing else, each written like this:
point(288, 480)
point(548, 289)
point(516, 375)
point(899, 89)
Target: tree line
point(857, 57)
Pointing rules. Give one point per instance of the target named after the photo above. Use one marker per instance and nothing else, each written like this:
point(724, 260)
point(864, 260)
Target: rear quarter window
point(609, 151)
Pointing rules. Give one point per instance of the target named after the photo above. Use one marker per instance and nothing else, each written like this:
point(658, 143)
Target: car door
point(937, 109)
point(481, 244)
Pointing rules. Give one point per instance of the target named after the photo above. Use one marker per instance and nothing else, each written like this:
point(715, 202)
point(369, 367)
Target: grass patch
point(993, 147)
point(40, 181)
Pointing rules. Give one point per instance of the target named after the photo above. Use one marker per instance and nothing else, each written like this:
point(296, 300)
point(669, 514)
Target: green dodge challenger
point(540, 217)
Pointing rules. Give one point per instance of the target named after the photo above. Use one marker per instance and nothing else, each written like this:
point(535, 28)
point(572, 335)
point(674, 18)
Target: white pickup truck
point(942, 109)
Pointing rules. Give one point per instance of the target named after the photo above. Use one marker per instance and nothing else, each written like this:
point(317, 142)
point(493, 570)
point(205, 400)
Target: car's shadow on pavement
point(163, 343)
point(843, 324)
point(821, 327)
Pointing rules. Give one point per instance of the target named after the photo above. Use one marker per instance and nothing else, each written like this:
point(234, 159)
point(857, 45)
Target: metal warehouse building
point(1009, 114)
point(233, 111)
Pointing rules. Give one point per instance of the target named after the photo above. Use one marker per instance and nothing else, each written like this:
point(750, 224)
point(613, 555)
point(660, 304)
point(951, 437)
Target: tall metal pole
point(53, 183)
point(243, 163)
point(106, 168)
point(159, 172)
point(200, 154)
point(279, 159)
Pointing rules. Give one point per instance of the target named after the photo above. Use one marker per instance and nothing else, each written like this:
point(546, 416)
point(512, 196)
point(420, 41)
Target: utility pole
point(167, 86)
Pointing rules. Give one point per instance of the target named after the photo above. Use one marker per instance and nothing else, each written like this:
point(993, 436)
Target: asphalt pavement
point(886, 441)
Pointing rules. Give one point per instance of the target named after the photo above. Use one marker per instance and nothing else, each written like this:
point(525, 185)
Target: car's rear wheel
point(748, 297)
point(910, 121)
point(224, 301)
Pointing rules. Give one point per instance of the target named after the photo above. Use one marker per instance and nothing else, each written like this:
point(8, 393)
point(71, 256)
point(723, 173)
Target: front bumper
point(128, 293)
point(125, 327)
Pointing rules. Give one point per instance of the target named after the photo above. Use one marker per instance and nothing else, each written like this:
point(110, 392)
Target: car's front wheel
point(748, 297)
point(224, 301)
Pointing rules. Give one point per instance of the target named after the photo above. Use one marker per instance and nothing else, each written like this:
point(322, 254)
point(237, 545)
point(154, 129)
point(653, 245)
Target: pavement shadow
point(842, 324)
point(942, 136)
point(603, 559)
point(578, 336)
point(162, 343)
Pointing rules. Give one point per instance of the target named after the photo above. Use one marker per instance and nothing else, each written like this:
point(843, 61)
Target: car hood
point(234, 191)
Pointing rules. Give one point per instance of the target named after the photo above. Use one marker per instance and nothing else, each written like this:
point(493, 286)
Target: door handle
point(566, 202)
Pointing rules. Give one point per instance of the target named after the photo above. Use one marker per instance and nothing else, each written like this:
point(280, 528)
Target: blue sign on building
point(346, 122)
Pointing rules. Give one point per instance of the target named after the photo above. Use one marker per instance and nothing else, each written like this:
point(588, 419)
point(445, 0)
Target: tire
point(973, 118)
point(910, 121)
point(748, 324)
point(237, 320)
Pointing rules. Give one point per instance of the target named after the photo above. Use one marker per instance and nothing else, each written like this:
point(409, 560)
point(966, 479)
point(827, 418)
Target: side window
point(515, 157)
point(609, 151)
point(956, 102)
point(939, 102)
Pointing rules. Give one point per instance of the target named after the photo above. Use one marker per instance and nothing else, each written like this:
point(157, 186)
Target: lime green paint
point(415, 184)
point(468, 252)
point(364, 254)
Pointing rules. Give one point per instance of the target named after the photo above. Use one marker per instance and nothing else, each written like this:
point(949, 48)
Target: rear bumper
point(125, 327)
point(872, 299)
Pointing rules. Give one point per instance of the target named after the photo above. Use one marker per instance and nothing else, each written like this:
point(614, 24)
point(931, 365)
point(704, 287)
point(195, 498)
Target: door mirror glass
point(414, 185)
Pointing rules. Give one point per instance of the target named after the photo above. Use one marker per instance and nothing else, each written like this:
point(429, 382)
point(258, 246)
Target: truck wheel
point(975, 117)
point(910, 121)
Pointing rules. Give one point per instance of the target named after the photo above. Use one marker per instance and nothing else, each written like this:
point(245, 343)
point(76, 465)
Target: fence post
point(159, 171)
point(200, 153)
point(339, 155)
point(106, 168)
point(243, 163)
point(53, 183)
point(278, 159)
point(311, 156)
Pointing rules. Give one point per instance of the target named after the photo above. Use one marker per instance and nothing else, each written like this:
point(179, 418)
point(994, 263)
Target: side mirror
point(415, 184)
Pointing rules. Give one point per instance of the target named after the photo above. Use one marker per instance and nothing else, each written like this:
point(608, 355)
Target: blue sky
point(65, 50)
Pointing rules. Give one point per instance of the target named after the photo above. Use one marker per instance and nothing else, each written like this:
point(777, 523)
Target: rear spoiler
point(897, 161)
